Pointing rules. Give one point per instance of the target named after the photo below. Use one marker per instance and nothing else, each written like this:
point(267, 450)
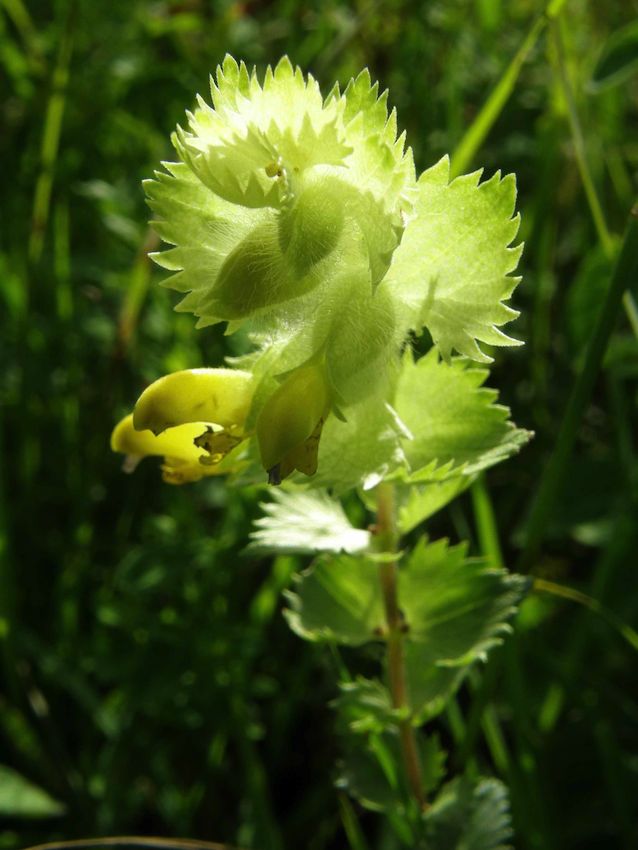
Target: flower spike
point(299, 220)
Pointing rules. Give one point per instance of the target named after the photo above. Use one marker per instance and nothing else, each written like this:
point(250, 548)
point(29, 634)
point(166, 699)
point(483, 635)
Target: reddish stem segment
point(386, 535)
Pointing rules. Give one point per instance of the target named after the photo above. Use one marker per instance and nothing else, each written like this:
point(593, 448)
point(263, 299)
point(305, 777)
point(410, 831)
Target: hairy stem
point(387, 539)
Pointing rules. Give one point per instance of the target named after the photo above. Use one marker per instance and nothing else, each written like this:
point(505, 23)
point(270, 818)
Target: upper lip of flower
point(217, 396)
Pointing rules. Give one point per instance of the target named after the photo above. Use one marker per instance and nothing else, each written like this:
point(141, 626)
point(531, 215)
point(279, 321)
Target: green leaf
point(364, 705)
point(361, 451)
point(370, 772)
point(416, 503)
point(21, 799)
point(451, 270)
point(338, 599)
point(305, 523)
point(456, 609)
point(618, 60)
point(205, 228)
point(372, 769)
point(454, 421)
point(378, 161)
point(465, 816)
point(362, 347)
point(433, 758)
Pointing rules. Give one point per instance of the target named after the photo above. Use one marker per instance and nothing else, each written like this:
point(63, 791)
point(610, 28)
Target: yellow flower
point(195, 418)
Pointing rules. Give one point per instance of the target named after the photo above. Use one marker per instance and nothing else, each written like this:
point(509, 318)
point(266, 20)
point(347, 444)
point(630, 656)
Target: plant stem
point(387, 539)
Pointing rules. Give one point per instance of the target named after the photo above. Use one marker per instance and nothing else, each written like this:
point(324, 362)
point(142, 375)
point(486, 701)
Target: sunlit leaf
point(451, 270)
point(361, 450)
point(418, 502)
point(454, 421)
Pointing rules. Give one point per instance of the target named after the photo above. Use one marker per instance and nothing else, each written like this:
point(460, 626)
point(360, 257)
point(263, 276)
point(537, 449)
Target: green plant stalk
point(21, 19)
point(486, 523)
point(51, 139)
point(131, 841)
point(353, 831)
point(500, 94)
point(623, 277)
point(386, 535)
point(623, 539)
point(561, 590)
point(137, 290)
point(595, 207)
point(493, 106)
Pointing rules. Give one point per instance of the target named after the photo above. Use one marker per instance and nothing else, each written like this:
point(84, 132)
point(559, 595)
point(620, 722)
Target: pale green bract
point(300, 218)
point(451, 272)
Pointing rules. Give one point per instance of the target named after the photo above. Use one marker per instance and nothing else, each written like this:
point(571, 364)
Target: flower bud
point(289, 425)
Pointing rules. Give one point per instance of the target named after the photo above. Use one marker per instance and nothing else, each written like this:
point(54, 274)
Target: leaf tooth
point(178, 282)
point(284, 69)
point(229, 68)
point(256, 89)
point(244, 79)
point(167, 259)
point(362, 80)
point(512, 282)
point(333, 95)
point(269, 79)
point(390, 129)
point(207, 321)
point(382, 100)
point(470, 180)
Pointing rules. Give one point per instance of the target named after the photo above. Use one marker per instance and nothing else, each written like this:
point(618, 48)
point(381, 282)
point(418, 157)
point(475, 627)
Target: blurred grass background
point(148, 681)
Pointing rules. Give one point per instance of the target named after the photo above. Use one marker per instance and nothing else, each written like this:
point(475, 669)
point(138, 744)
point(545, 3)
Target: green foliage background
point(149, 683)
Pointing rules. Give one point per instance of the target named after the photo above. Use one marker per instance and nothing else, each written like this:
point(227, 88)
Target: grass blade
point(623, 278)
